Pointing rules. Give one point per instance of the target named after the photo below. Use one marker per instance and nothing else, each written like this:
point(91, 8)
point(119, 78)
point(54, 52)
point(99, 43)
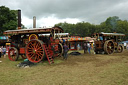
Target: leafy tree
point(8, 20)
point(112, 24)
point(84, 29)
point(67, 27)
point(123, 28)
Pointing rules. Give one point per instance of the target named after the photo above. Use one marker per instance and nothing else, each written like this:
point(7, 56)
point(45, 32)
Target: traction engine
point(108, 42)
point(34, 44)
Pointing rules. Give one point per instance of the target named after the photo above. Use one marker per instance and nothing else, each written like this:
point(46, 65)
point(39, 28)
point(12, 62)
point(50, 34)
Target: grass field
point(84, 69)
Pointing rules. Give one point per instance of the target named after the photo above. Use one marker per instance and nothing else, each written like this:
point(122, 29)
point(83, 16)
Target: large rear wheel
point(60, 49)
point(35, 51)
point(109, 47)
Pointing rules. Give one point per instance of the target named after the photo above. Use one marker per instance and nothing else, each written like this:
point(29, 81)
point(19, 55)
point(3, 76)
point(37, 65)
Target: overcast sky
point(50, 12)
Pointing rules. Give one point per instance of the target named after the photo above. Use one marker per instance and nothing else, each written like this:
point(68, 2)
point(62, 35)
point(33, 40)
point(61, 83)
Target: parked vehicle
point(33, 44)
point(108, 42)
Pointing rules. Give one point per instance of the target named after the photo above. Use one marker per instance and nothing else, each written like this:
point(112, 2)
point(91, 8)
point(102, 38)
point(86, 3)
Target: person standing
point(65, 51)
point(63, 41)
point(78, 46)
point(4, 51)
point(92, 47)
point(85, 47)
point(124, 45)
point(0, 52)
point(89, 47)
point(127, 46)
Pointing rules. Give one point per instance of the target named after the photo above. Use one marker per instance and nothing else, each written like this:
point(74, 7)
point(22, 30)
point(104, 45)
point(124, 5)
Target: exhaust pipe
point(19, 19)
point(34, 22)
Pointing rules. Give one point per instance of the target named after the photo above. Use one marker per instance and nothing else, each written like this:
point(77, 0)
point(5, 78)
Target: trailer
point(73, 42)
point(108, 42)
point(34, 45)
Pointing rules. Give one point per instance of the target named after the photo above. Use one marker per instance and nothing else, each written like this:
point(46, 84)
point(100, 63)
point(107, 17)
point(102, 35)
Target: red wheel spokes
point(39, 48)
point(35, 51)
point(13, 54)
point(37, 45)
point(37, 57)
point(32, 56)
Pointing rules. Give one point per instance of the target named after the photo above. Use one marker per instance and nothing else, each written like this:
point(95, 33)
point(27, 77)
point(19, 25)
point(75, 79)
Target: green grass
point(84, 69)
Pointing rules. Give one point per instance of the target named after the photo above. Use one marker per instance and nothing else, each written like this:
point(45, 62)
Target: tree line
point(83, 29)
point(8, 21)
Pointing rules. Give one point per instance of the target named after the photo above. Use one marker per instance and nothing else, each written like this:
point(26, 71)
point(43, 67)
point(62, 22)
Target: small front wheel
point(13, 54)
point(120, 48)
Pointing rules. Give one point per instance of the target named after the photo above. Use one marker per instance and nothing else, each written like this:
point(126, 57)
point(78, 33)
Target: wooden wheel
point(33, 36)
point(60, 49)
point(96, 52)
point(35, 51)
point(23, 56)
point(13, 54)
point(120, 48)
point(109, 47)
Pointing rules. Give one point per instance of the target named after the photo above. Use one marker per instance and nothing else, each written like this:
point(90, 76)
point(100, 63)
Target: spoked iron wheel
point(120, 48)
point(23, 56)
point(109, 47)
point(60, 49)
point(35, 51)
point(13, 54)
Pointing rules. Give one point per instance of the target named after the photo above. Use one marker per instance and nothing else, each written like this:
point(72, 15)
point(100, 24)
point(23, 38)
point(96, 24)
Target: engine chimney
point(19, 19)
point(34, 22)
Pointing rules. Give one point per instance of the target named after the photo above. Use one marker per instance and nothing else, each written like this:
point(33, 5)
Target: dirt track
point(93, 69)
point(84, 69)
point(96, 58)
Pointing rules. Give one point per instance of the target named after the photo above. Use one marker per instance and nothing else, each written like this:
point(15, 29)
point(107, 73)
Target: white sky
point(50, 12)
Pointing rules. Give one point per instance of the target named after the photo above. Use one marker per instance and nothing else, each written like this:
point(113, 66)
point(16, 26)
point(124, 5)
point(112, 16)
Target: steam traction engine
point(34, 45)
point(108, 42)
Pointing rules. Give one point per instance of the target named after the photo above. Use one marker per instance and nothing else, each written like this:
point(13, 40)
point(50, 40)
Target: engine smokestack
point(19, 19)
point(34, 22)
